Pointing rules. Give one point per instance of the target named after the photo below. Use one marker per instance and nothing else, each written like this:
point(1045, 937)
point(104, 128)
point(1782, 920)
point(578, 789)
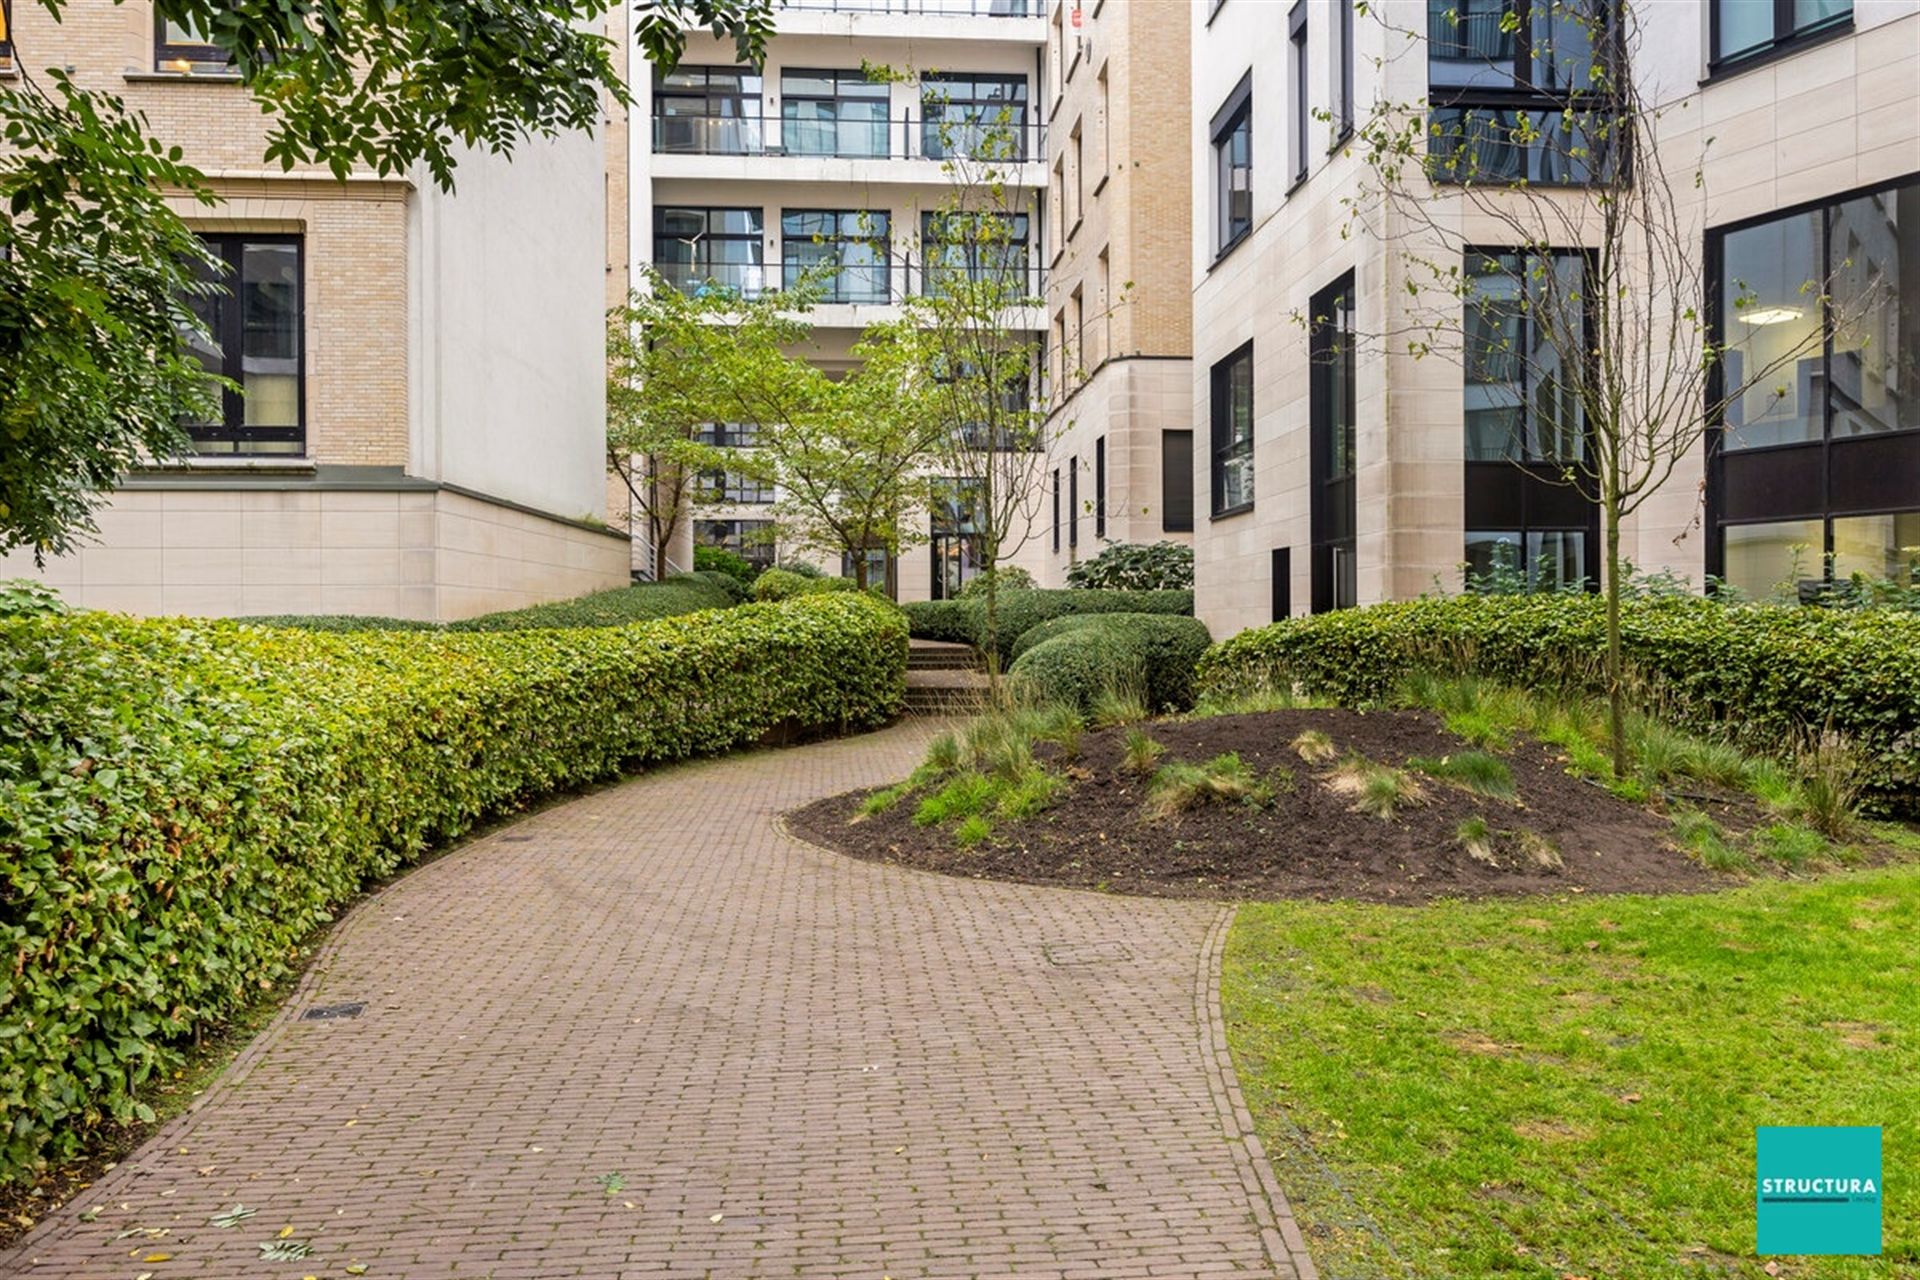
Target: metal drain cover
point(515, 839)
point(1065, 953)
point(329, 1012)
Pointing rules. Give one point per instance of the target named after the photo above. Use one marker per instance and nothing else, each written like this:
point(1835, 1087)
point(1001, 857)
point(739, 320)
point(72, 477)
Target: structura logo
point(1817, 1190)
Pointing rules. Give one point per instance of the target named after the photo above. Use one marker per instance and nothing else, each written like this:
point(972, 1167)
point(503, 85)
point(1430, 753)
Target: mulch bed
point(1310, 843)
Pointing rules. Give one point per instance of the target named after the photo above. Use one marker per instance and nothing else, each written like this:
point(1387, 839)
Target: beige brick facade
point(415, 398)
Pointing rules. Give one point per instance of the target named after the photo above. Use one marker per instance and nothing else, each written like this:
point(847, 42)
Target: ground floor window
point(752, 540)
point(879, 567)
point(1790, 558)
point(254, 320)
point(955, 540)
point(1512, 560)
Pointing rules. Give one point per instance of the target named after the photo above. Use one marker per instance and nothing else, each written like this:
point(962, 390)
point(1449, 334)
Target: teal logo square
point(1817, 1189)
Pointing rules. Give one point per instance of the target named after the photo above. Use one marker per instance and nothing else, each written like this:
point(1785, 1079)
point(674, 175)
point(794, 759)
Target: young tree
point(1554, 251)
point(95, 267)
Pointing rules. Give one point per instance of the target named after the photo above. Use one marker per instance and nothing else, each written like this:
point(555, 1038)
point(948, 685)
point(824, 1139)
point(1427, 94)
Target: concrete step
point(938, 655)
point(945, 692)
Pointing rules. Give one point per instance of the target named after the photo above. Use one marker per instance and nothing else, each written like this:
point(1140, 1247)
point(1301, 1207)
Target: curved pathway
point(645, 1033)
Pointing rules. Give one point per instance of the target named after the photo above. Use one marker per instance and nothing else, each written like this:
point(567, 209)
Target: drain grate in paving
point(515, 839)
point(1068, 953)
point(331, 1012)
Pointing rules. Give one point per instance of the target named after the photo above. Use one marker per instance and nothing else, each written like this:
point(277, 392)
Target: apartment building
point(1339, 473)
point(421, 433)
point(1119, 305)
point(833, 155)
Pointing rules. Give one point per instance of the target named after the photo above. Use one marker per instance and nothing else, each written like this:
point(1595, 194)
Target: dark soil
point(1310, 843)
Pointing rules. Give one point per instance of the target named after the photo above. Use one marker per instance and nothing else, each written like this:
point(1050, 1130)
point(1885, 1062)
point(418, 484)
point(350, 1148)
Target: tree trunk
point(1616, 691)
point(860, 569)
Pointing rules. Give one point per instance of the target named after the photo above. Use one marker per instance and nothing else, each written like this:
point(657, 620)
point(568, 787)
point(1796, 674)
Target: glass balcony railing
point(855, 137)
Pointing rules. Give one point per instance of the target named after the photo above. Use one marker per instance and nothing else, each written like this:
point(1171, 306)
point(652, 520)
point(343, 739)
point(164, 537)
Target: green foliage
point(1179, 785)
point(682, 593)
point(736, 591)
point(1021, 611)
point(948, 620)
point(708, 559)
point(964, 795)
point(1136, 566)
point(1702, 838)
point(1009, 577)
point(1083, 660)
point(805, 568)
point(1141, 753)
point(1476, 771)
point(1314, 746)
point(1115, 707)
point(24, 597)
point(339, 622)
point(784, 584)
point(1378, 789)
point(1762, 675)
point(181, 802)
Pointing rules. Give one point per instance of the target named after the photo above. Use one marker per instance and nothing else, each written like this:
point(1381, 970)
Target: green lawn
point(1569, 1087)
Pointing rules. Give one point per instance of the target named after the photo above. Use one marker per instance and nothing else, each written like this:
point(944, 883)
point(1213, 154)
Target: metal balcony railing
point(926, 8)
point(890, 138)
point(868, 284)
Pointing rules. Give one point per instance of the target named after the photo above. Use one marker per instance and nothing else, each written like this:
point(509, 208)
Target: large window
point(254, 338)
point(177, 46)
point(1232, 432)
point(1744, 30)
point(972, 247)
point(1816, 455)
point(709, 111)
point(1100, 487)
point(955, 535)
point(833, 113)
point(729, 485)
point(1233, 168)
point(1524, 422)
point(1333, 449)
point(1342, 69)
point(752, 540)
point(699, 249)
point(973, 115)
point(1512, 87)
point(847, 246)
point(1176, 481)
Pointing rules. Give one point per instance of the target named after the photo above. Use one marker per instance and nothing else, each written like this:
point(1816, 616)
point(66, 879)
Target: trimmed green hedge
point(1770, 676)
point(182, 802)
point(784, 584)
point(1155, 654)
point(1020, 611)
point(682, 593)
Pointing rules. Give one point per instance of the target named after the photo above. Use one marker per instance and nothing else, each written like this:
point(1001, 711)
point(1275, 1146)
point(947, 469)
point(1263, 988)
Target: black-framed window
point(879, 564)
point(751, 540)
point(177, 46)
point(708, 111)
point(974, 246)
point(727, 485)
point(1297, 54)
point(968, 114)
point(833, 113)
point(1525, 309)
point(1056, 509)
point(1176, 481)
point(699, 248)
point(1524, 423)
point(1233, 167)
point(1231, 428)
point(1745, 30)
point(955, 534)
point(1512, 89)
point(1100, 487)
point(853, 242)
point(1073, 501)
point(1280, 576)
point(255, 322)
point(6, 35)
point(1333, 450)
point(1342, 70)
point(1817, 461)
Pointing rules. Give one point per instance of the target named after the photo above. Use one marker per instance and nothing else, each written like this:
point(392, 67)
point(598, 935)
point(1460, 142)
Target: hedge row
point(1766, 675)
point(784, 584)
point(965, 621)
point(682, 593)
point(1074, 659)
point(181, 802)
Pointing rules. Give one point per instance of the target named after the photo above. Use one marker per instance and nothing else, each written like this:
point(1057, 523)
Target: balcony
point(890, 138)
point(923, 8)
point(858, 293)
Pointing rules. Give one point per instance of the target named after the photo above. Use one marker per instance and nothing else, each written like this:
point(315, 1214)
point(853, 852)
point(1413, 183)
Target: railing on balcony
point(871, 284)
point(892, 138)
point(926, 8)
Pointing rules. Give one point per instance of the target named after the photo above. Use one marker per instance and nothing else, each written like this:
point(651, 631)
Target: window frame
point(1056, 511)
point(708, 237)
point(753, 123)
point(1073, 502)
point(1786, 38)
point(1333, 500)
point(1019, 109)
point(1235, 114)
point(837, 99)
point(1100, 488)
point(882, 243)
point(231, 430)
point(1171, 495)
point(1018, 244)
point(762, 552)
point(189, 56)
point(1521, 95)
point(1343, 78)
point(1298, 53)
point(1219, 452)
point(7, 65)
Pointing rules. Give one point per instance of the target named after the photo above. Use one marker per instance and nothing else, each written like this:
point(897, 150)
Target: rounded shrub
point(720, 560)
point(950, 620)
point(1075, 669)
point(783, 584)
point(1136, 566)
point(1006, 578)
point(736, 589)
point(182, 802)
point(1021, 611)
point(1168, 648)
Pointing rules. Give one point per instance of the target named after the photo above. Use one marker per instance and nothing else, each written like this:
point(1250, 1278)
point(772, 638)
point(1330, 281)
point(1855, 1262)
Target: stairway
point(944, 679)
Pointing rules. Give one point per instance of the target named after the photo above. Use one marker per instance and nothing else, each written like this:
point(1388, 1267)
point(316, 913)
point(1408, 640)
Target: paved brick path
point(798, 1064)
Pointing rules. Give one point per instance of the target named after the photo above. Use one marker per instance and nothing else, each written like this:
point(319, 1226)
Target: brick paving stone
point(798, 1065)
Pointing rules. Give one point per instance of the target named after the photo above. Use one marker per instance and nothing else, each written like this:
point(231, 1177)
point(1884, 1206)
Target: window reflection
point(1770, 304)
